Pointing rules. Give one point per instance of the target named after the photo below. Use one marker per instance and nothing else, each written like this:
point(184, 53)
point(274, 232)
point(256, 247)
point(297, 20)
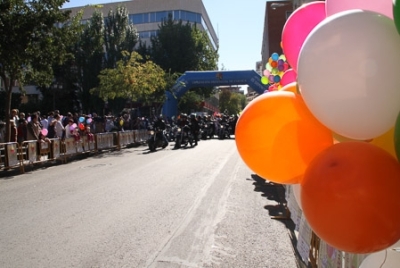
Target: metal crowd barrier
point(105, 141)
point(15, 155)
point(10, 156)
point(125, 138)
point(141, 135)
point(32, 151)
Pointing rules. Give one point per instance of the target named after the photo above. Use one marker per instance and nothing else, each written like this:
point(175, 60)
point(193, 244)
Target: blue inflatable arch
point(209, 79)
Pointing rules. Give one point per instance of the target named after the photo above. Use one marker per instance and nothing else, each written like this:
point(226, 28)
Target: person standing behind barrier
point(136, 123)
point(51, 134)
point(44, 122)
point(88, 134)
point(14, 116)
point(33, 128)
point(22, 130)
point(13, 131)
point(66, 119)
point(97, 124)
point(69, 129)
point(59, 128)
point(2, 131)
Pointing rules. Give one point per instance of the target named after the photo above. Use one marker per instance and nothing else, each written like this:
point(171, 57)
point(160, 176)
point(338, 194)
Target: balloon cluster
point(338, 135)
point(275, 69)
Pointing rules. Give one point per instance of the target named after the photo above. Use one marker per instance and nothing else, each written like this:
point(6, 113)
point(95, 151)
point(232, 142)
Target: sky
point(238, 23)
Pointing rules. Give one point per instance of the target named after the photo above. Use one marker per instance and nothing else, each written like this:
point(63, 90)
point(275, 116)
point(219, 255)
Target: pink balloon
point(44, 132)
point(266, 72)
point(288, 77)
point(384, 7)
point(302, 21)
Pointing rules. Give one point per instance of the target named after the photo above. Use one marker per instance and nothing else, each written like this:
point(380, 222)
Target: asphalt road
point(197, 207)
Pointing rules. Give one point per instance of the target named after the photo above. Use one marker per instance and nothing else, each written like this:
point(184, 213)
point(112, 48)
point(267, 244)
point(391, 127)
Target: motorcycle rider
point(184, 125)
point(160, 124)
point(182, 120)
point(194, 126)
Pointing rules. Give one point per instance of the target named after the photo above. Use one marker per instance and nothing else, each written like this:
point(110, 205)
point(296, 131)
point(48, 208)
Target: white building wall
point(147, 6)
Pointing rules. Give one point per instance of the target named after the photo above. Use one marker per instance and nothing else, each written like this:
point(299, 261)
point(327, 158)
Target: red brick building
point(276, 14)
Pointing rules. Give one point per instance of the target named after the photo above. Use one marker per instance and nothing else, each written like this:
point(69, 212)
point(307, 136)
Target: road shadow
point(276, 192)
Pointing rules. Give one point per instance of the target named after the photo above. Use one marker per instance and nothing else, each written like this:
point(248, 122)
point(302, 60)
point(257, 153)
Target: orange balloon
point(350, 197)
point(277, 136)
point(274, 64)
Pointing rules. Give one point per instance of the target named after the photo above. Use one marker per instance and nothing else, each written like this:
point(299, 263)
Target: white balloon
point(348, 73)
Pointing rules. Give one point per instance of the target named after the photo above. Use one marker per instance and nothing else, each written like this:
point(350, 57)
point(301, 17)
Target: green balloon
point(397, 137)
point(264, 80)
point(396, 14)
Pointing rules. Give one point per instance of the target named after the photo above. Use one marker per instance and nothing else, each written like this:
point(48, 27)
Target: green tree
point(190, 102)
point(224, 99)
point(119, 35)
point(180, 47)
point(33, 36)
point(133, 79)
point(89, 59)
point(231, 102)
point(173, 47)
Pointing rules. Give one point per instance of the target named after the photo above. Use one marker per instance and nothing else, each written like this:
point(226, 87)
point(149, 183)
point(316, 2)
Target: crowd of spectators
point(38, 126)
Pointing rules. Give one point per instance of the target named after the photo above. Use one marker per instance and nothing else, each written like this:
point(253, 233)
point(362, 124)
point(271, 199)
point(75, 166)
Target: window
point(136, 18)
point(160, 16)
point(190, 16)
point(144, 34)
point(177, 14)
point(152, 17)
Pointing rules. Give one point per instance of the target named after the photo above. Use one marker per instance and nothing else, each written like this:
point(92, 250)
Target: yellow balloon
point(386, 142)
point(292, 87)
point(337, 138)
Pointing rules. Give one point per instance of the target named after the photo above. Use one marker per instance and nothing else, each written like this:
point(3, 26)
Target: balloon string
point(384, 259)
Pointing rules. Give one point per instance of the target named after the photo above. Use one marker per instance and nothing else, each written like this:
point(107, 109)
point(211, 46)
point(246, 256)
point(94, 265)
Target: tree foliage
point(133, 79)
point(100, 46)
point(231, 102)
point(180, 47)
point(33, 36)
point(119, 35)
point(89, 59)
point(190, 102)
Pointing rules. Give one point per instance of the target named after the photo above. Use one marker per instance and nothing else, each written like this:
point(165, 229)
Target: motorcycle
point(207, 130)
point(170, 132)
point(184, 137)
point(155, 139)
point(225, 131)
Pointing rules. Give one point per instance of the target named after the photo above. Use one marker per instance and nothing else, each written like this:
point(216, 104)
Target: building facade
point(147, 15)
point(276, 14)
